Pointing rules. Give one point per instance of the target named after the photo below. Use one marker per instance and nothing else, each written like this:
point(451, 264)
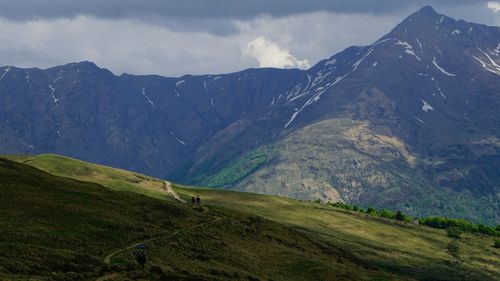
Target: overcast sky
point(176, 37)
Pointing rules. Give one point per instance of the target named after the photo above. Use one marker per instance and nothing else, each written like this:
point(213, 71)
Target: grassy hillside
point(242, 236)
point(413, 250)
point(113, 178)
point(54, 228)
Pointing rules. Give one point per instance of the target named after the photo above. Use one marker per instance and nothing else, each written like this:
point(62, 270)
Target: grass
point(413, 250)
point(54, 228)
point(113, 178)
point(66, 226)
point(237, 170)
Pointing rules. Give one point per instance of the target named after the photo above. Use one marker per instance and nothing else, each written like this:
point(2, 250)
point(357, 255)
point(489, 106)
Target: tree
point(486, 229)
point(400, 216)
point(387, 214)
point(372, 211)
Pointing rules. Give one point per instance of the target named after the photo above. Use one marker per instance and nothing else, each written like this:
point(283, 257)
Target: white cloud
point(495, 6)
point(269, 54)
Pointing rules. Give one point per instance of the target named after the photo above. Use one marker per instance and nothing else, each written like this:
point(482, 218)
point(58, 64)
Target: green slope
point(414, 250)
point(113, 178)
point(242, 236)
point(54, 228)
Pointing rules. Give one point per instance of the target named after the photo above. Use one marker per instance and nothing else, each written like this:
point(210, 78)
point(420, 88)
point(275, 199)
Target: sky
point(173, 38)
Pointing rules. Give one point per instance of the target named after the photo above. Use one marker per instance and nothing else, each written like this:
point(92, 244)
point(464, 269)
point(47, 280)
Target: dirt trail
point(107, 277)
point(107, 258)
point(170, 190)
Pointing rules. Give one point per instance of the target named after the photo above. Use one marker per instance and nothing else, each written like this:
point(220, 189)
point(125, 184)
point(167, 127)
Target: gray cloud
point(190, 36)
point(236, 9)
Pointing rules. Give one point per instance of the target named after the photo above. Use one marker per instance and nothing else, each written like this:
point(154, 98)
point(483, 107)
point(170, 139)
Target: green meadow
point(61, 218)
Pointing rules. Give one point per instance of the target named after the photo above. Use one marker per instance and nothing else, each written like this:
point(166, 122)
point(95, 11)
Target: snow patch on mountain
point(408, 49)
point(418, 119)
point(434, 62)
point(426, 106)
point(5, 72)
point(177, 139)
point(52, 93)
point(147, 97)
point(489, 65)
point(440, 91)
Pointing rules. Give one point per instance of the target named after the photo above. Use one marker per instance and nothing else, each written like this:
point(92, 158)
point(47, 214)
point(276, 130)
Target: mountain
point(409, 122)
point(57, 228)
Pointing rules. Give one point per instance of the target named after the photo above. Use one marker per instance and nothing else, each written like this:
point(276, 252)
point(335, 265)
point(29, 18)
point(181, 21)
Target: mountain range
point(410, 121)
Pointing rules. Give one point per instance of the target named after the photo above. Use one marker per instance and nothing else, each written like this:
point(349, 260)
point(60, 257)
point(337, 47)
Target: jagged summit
point(427, 11)
point(426, 14)
point(426, 20)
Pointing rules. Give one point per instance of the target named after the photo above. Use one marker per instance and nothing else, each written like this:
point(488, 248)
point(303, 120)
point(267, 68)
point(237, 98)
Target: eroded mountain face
point(410, 121)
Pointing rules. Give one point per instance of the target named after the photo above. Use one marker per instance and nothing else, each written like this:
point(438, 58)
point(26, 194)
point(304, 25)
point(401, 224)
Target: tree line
point(454, 227)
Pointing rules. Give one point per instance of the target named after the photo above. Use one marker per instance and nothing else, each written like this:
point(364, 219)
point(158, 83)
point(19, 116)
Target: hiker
point(193, 200)
point(198, 200)
point(140, 257)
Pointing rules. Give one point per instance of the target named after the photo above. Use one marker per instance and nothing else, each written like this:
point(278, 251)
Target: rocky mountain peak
point(426, 22)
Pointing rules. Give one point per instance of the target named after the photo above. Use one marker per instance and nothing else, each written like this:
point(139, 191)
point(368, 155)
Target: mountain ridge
point(429, 105)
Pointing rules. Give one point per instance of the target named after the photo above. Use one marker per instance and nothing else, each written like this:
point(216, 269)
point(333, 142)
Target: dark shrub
point(497, 244)
point(453, 248)
point(400, 216)
point(454, 232)
point(387, 214)
point(372, 211)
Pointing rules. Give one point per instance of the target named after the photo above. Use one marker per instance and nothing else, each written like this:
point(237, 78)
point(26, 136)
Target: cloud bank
point(173, 38)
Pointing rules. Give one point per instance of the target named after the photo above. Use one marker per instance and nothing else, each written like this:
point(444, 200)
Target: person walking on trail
point(140, 257)
point(198, 200)
point(193, 200)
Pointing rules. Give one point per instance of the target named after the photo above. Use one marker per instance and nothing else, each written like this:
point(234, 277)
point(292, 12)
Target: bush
point(387, 214)
point(485, 229)
point(454, 232)
point(497, 244)
point(372, 211)
point(453, 248)
point(400, 216)
point(408, 219)
point(435, 222)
